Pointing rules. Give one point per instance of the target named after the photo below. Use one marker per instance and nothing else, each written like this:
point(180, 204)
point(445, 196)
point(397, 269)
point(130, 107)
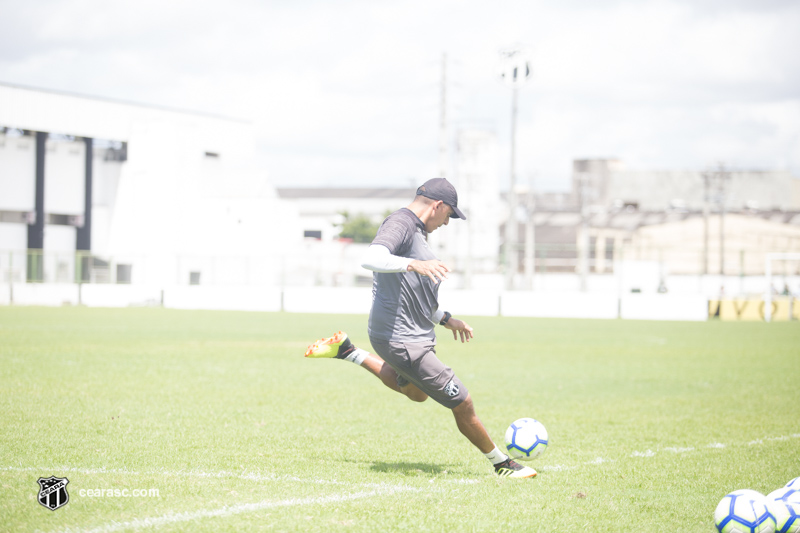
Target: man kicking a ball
point(405, 309)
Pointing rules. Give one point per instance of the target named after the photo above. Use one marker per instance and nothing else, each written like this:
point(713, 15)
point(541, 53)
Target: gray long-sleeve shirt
point(403, 302)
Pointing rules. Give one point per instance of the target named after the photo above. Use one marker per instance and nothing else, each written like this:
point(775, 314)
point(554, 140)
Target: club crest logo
point(451, 388)
point(53, 492)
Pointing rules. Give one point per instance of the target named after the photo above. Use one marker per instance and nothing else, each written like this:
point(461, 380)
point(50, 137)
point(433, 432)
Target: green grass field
point(651, 424)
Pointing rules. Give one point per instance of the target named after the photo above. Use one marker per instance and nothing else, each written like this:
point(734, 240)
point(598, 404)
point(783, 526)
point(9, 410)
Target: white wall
point(357, 300)
point(223, 298)
point(663, 307)
point(472, 302)
point(352, 300)
point(559, 305)
point(17, 173)
point(105, 182)
point(59, 262)
point(101, 295)
point(13, 237)
point(64, 177)
point(49, 294)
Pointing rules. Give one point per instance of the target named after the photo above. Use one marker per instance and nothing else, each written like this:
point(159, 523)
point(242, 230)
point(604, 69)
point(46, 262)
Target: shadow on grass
point(409, 469)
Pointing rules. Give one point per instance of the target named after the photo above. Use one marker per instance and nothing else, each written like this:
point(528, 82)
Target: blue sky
point(347, 93)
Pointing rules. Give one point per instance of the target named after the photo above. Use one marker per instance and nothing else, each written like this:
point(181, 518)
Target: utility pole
point(515, 70)
point(706, 199)
point(718, 179)
point(512, 235)
point(530, 239)
point(723, 176)
point(443, 159)
point(583, 239)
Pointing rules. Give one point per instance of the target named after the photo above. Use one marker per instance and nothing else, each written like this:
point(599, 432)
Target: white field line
point(561, 468)
point(173, 518)
point(675, 450)
point(252, 476)
point(247, 476)
point(671, 449)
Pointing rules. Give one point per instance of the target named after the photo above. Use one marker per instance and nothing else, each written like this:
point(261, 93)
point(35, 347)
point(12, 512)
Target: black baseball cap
point(441, 189)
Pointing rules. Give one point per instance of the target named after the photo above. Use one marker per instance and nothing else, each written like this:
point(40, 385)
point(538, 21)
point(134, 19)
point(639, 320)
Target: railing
point(38, 266)
point(337, 264)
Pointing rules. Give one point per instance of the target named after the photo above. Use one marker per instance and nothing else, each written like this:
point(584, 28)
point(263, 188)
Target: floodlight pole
point(768, 290)
point(706, 192)
point(530, 240)
point(443, 159)
point(583, 239)
point(511, 225)
point(516, 72)
point(723, 176)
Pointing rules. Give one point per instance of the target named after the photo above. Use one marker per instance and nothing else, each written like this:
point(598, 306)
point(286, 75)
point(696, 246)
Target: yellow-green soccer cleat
point(338, 346)
point(511, 468)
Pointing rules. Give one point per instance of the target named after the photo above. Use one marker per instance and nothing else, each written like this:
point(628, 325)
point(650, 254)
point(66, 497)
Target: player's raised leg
point(340, 346)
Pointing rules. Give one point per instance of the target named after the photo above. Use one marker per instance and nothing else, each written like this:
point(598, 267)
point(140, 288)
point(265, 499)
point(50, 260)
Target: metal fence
point(337, 264)
point(682, 260)
point(37, 266)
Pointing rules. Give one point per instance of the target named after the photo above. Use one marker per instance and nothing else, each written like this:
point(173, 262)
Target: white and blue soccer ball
point(784, 506)
point(744, 511)
point(526, 439)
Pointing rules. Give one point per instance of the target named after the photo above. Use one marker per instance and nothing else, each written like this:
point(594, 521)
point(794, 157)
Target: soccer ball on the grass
point(526, 439)
point(784, 506)
point(743, 511)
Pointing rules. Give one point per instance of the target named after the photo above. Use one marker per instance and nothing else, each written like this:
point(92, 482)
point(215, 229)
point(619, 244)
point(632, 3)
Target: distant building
point(607, 183)
point(470, 247)
point(323, 258)
point(686, 242)
point(663, 216)
point(320, 209)
point(100, 190)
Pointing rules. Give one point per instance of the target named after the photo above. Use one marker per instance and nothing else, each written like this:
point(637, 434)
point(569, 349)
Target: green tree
point(358, 227)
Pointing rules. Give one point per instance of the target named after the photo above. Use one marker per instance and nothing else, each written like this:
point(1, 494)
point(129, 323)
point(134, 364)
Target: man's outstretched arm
point(458, 327)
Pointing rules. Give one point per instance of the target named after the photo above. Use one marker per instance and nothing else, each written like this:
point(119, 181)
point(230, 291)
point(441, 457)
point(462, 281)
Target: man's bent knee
point(389, 377)
point(413, 393)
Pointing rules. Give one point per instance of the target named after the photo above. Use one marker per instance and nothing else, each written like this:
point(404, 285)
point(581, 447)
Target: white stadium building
point(145, 196)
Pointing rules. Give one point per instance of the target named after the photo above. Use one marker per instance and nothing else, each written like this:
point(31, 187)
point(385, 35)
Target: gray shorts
point(417, 363)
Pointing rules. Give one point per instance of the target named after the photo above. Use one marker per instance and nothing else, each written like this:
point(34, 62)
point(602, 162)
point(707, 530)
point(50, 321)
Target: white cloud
point(347, 92)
